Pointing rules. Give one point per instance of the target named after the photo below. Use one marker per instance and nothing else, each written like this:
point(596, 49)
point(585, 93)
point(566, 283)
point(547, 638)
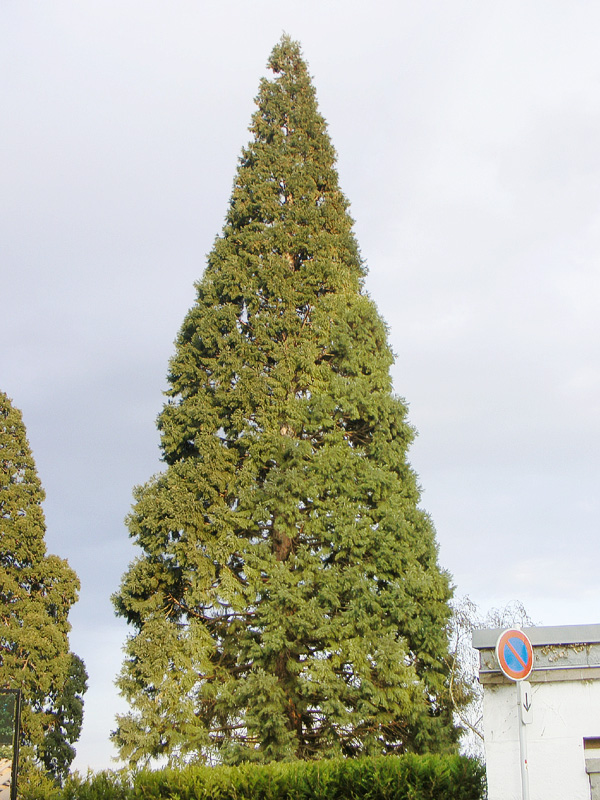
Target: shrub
point(408, 777)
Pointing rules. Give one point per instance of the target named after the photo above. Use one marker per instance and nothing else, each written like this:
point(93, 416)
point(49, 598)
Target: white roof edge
point(486, 638)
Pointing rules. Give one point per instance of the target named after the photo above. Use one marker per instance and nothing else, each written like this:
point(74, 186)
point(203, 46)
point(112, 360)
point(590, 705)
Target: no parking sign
point(515, 654)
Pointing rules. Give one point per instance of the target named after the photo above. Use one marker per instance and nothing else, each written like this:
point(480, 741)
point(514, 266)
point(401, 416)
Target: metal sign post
point(524, 703)
point(515, 656)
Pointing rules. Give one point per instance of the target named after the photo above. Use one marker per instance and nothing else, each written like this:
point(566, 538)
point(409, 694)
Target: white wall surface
point(564, 712)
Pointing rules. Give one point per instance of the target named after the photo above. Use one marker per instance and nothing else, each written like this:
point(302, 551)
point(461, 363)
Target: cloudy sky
point(468, 140)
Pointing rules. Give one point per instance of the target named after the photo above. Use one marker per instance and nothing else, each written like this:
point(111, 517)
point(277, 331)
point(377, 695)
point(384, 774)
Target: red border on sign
point(503, 643)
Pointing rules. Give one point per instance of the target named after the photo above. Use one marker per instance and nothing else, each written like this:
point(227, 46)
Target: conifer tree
point(36, 593)
point(287, 602)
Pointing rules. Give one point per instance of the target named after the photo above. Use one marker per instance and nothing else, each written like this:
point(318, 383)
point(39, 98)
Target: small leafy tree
point(287, 602)
point(36, 593)
point(465, 690)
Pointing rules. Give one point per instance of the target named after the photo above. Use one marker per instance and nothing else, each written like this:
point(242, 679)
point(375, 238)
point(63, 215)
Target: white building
point(563, 738)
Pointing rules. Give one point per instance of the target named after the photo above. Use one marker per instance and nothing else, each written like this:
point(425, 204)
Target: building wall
point(565, 692)
point(564, 712)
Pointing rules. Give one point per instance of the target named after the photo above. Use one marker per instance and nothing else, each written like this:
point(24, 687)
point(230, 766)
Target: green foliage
point(36, 594)
point(99, 786)
point(67, 710)
point(287, 602)
point(34, 783)
point(8, 713)
point(408, 777)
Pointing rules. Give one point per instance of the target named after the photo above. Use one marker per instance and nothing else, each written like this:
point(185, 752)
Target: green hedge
point(406, 777)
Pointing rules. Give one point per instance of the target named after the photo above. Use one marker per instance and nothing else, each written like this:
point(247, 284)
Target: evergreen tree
point(287, 602)
point(36, 592)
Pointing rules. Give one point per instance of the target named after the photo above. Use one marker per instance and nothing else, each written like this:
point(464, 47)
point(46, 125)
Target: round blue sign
point(515, 654)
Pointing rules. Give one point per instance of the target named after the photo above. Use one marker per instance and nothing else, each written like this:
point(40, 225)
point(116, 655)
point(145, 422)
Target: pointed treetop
point(286, 56)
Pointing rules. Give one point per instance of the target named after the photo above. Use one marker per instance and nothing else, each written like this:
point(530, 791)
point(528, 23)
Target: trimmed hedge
point(407, 777)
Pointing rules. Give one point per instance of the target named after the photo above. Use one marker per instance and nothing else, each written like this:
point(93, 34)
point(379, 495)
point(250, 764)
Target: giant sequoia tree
point(287, 601)
point(36, 594)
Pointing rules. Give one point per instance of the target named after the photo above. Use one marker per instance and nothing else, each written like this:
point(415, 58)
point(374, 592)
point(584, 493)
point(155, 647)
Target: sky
point(467, 135)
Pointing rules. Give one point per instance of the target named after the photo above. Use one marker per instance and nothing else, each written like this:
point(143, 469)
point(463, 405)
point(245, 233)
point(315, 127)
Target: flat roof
point(486, 638)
